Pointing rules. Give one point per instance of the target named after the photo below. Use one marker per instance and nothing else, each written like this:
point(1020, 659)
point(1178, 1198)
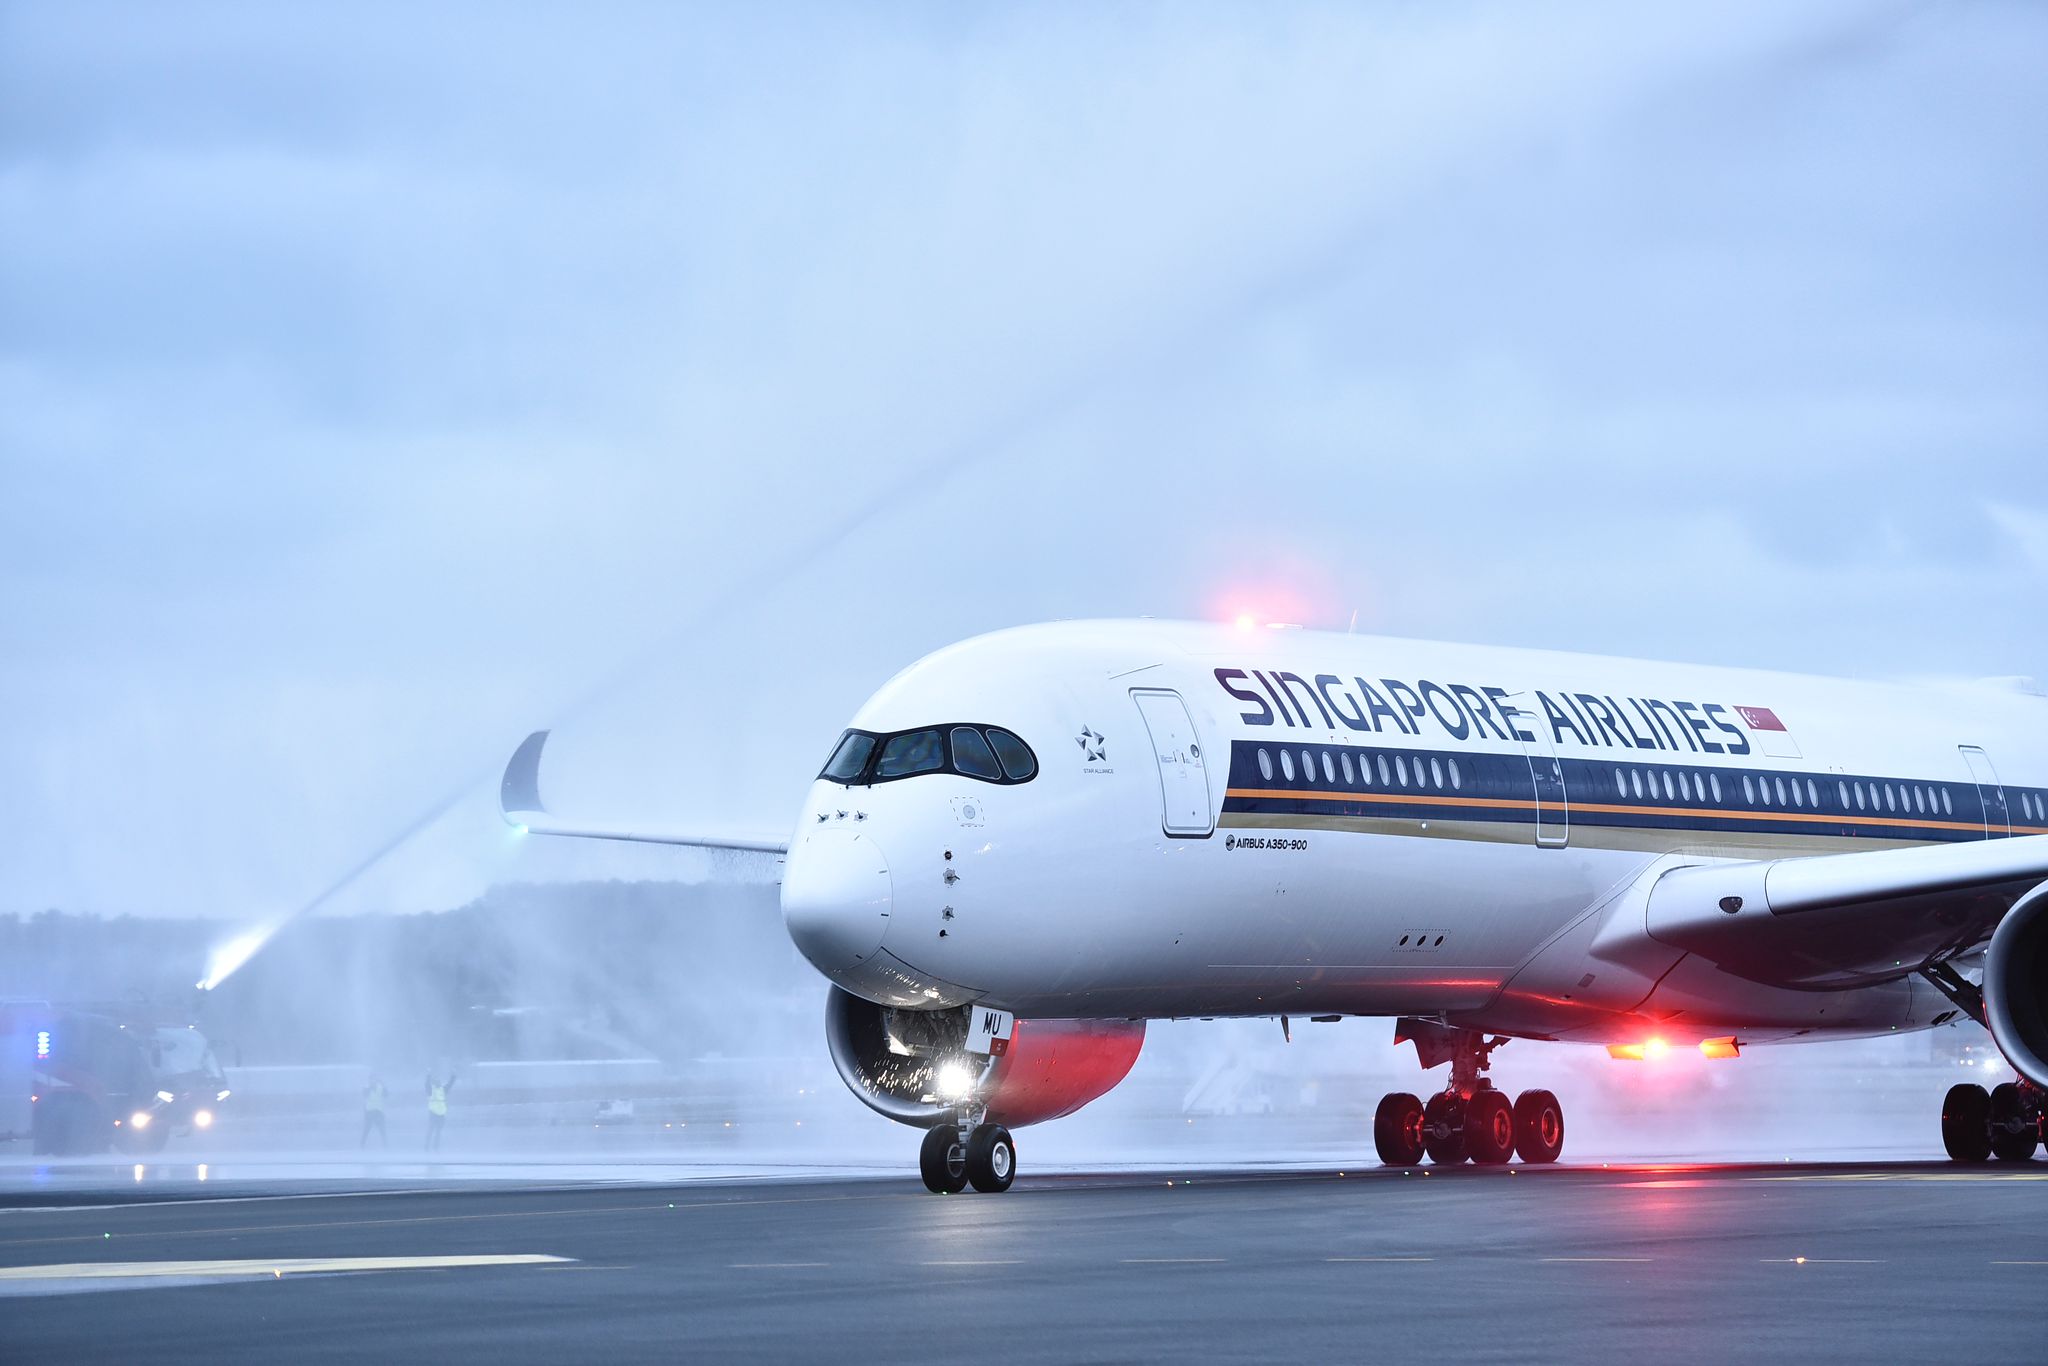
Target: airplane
point(1028, 844)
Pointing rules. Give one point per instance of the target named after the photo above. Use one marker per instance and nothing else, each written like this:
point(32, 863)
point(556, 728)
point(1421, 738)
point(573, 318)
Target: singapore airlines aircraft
point(1030, 843)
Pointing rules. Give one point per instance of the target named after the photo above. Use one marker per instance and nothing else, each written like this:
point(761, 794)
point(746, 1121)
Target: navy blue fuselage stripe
point(1498, 788)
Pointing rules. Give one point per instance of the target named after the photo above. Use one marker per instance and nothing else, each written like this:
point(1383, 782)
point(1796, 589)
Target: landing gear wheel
point(991, 1159)
point(1539, 1126)
point(1489, 1128)
point(1443, 1129)
point(941, 1161)
point(2015, 1132)
point(1397, 1130)
point(1966, 1122)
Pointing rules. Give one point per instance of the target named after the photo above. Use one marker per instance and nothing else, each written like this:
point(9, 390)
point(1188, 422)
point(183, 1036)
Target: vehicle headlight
point(139, 1120)
point(202, 1119)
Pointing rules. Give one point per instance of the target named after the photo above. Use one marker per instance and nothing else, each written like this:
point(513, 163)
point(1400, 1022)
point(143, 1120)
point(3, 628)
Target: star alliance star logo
point(1093, 748)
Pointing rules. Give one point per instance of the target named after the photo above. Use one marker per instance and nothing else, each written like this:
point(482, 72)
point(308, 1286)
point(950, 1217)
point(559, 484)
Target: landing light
point(955, 1081)
point(1246, 621)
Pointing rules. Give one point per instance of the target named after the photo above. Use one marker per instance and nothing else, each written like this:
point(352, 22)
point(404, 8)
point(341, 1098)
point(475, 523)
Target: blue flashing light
point(42, 1044)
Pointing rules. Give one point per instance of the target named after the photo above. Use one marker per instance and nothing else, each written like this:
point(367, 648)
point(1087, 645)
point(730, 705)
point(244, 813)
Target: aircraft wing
point(1839, 919)
point(519, 800)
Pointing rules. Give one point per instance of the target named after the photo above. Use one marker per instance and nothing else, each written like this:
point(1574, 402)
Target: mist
point(378, 386)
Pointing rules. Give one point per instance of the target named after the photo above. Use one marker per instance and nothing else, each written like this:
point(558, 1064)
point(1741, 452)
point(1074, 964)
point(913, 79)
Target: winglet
point(520, 804)
point(520, 789)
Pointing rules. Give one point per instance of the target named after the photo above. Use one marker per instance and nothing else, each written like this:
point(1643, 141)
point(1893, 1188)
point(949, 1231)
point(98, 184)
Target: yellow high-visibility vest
point(437, 1100)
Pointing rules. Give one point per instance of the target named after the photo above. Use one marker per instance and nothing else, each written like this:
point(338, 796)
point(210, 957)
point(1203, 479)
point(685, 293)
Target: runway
point(1668, 1263)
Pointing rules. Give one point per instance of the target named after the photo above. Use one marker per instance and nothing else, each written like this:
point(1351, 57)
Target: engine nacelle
point(2016, 986)
point(896, 1061)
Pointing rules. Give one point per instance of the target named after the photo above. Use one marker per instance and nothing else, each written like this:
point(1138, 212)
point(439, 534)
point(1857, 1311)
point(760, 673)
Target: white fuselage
point(1258, 822)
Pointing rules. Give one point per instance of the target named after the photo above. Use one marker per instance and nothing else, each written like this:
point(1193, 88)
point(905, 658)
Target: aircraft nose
point(835, 898)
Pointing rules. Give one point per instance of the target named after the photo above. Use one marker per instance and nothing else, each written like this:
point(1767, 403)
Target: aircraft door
point(1183, 777)
point(1997, 816)
point(1546, 778)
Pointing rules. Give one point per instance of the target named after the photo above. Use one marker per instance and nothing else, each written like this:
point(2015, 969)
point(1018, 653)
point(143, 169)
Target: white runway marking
point(28, 1278)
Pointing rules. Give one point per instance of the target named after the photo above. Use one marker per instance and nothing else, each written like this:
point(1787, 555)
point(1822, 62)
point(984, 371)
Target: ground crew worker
point(373, 1113)
point(437, 1107)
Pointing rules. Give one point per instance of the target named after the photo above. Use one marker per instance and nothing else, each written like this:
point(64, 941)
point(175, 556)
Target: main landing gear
point(2007, 1122)
point(959, 1152)
point(1468, 1118)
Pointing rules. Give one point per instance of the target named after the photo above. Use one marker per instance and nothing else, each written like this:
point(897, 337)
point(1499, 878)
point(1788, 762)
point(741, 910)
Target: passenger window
point(1329, 769)
point(1635, 776)
point(1308, 767)
point(972, 756)
point(1015, 754)
point(919, 751)
point(1670, 789)
point(1857, 788)
point(1797, 799)
point(1349, 780)
point(1401, 769)
point(1287, 764)
point(1436, 773)
point(1385, 775)
point(1715, 779)
point(1265, 766)
point(1812, 794)
point(1620, 783)
point(1842, 791)
point(850, 758)
point(1920, 801)
point(1948, 808)
point(1891, 798)
point(1456, 780)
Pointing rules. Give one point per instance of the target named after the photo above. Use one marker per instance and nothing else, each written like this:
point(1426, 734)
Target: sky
point(378, 384)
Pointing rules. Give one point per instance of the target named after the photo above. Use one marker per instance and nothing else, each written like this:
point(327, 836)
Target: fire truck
point(86, 1078)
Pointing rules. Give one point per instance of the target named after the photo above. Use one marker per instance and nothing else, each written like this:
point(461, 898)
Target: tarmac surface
point(1671, 1262)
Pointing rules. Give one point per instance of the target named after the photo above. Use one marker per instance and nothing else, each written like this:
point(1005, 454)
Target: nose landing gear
point(963, 1151)
point(1468, 1118)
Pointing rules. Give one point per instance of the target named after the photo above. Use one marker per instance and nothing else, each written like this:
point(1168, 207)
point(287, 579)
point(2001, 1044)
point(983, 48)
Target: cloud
point(373, 385)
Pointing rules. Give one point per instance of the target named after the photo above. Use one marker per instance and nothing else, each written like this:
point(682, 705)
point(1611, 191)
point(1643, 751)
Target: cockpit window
point(971, 754)
point(1015, 754)
point(985, 753)
point(920, 751)
point(850, 758)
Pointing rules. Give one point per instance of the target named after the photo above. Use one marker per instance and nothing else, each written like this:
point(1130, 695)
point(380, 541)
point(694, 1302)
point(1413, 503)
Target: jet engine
point(913, 1065)
point(2016, 986)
